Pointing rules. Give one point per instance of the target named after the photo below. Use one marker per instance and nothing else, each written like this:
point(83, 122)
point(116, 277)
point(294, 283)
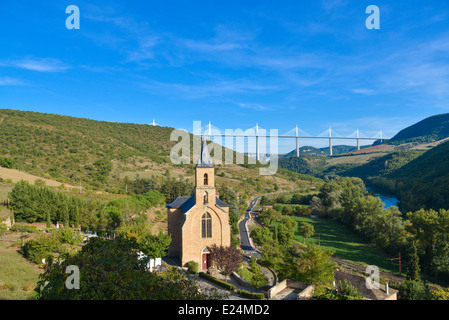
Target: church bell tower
point(205, 178)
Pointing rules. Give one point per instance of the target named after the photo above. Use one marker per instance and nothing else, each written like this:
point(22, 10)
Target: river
point(388, 201)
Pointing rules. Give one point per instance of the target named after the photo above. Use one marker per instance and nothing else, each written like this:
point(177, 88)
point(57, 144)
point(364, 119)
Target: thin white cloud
point(364, 91)
point(253, 106)
point(7, 81)
point(215, 89)
point(37, 64)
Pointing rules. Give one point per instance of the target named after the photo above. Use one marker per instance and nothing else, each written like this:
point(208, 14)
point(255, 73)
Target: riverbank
point(388, 200)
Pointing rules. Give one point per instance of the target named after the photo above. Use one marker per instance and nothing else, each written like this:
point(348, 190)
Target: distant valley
point(410, 166)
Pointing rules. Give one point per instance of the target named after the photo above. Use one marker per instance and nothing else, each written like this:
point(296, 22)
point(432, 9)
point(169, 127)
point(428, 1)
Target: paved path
point(245, 241)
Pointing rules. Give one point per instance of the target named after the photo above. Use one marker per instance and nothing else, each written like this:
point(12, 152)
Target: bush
point(9, 286)
point(251, 295)
point(221, 283)
point(40, 248)
point(193, 266)
point(7, 162)
point(25, 228)
point(413, 290)
point(70, 236)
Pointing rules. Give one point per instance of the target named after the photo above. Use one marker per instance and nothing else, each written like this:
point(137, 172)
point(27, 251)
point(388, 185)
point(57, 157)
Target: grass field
point(18, 276)
point(345, 244)
point(16, 175)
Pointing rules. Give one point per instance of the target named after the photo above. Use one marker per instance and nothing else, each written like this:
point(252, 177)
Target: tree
point(330, 195)
point(48, 222)
point(154, 246)
point(316, 204)
point(272, 253)
point(261, 235)
point(413, 268)
point(110, 270)
point(285, 235)
point(314, 266)
point(423, 226)
point(258, 279)
point(151, 245)
point(269, 216)
point(287, 210)
point(389, 231)
point(225, 259)
point(307, 230)
point(65, 215)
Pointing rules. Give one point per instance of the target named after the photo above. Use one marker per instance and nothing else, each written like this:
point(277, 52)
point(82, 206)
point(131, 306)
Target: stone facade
point(198, 221)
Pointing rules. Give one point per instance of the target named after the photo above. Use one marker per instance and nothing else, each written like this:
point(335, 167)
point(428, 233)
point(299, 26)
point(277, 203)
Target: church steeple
point(204, 178)
point(204, 160)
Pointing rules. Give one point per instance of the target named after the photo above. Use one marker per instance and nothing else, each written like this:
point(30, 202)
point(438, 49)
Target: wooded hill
point(431, 129)
point(107, 156)
point(336, 150)
point(423, 182)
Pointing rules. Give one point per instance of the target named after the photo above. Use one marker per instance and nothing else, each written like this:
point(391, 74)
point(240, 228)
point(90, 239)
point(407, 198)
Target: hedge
point(221, 283)
point(251, 295)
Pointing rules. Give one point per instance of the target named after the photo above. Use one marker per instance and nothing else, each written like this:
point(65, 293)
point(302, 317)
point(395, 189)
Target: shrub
point(9, 286)
point(221, 283)
point(193, 266)
point(413, 290)
point(70, 236)
point(40, 248)
point(25, 228)
point(29, 287)
point(251, 295)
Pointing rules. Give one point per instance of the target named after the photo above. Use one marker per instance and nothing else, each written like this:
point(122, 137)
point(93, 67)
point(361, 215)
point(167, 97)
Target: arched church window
point(206, 226)
point(206, 182)
point(206, 197)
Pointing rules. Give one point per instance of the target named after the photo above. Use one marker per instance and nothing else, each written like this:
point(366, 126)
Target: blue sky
point(235, 63)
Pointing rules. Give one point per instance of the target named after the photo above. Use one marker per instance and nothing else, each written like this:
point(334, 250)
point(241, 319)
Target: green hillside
point(424, 181)
point(305, 164)
point(110, 156)
point(431, 129)
point(305, 150)
point(75, 149)
point(336, 150)
point(381, 166)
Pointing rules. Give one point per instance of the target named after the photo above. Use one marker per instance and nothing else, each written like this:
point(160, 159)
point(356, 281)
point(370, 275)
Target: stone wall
point(305, 290)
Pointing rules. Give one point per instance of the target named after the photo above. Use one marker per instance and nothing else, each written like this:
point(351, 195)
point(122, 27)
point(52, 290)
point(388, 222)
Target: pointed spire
point(204, 160)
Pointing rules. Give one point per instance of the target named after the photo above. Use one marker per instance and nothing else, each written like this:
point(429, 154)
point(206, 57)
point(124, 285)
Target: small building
point(200, 220)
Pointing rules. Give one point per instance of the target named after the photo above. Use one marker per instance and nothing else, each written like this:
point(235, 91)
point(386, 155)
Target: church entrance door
point(206, 261)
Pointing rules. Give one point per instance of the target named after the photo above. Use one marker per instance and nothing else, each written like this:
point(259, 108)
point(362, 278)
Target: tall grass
point(18, 277)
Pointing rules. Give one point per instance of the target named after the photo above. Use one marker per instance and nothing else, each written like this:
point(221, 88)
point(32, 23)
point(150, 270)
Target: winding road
point(245, 241)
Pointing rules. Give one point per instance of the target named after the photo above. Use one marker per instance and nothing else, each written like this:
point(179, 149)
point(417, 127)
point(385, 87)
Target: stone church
point(200, 220)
